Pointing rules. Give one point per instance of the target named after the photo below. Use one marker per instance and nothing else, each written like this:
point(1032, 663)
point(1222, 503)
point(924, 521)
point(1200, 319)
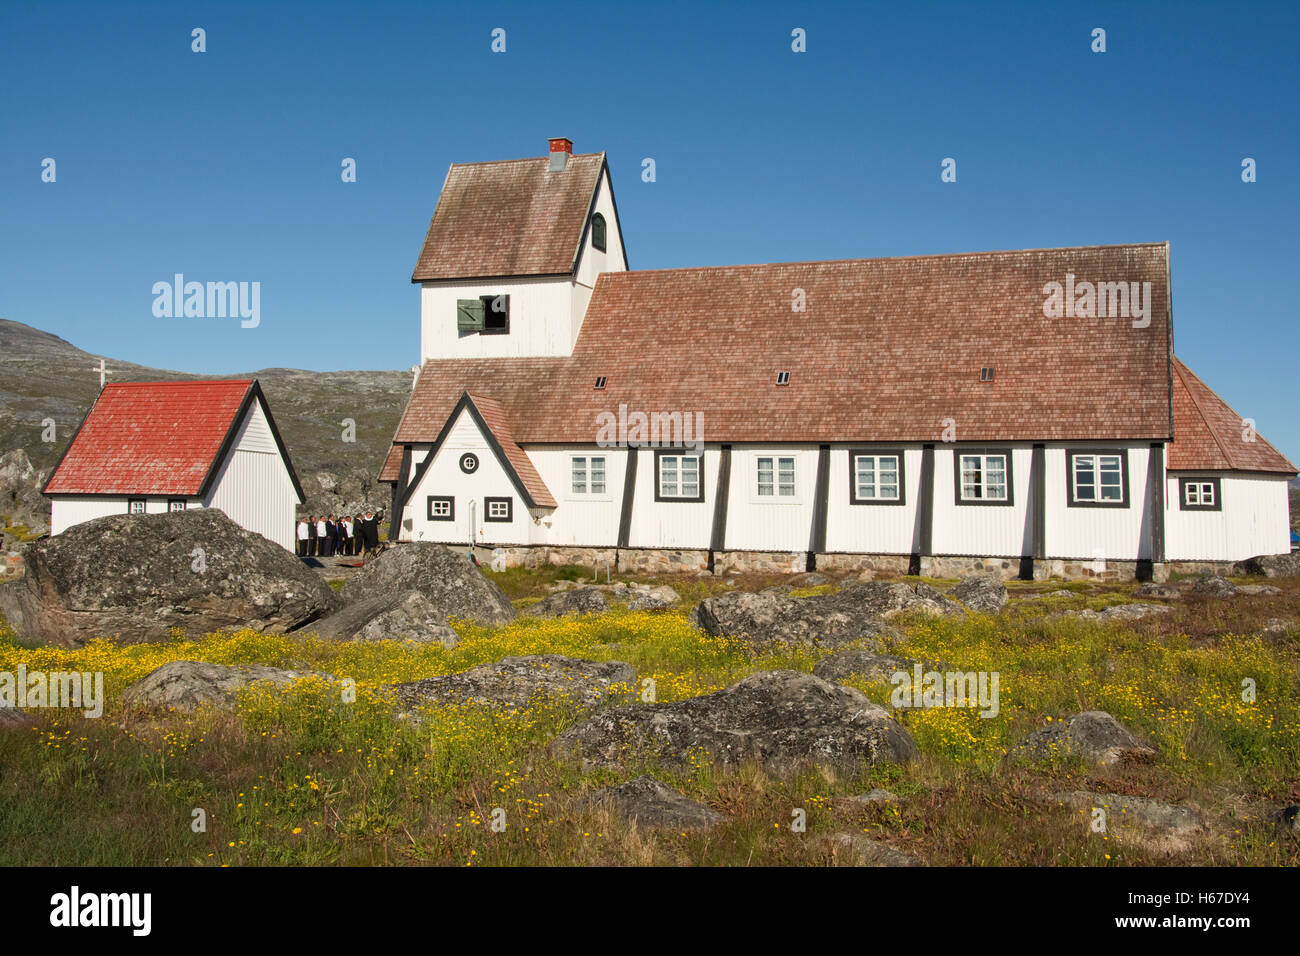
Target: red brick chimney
point(561, 150)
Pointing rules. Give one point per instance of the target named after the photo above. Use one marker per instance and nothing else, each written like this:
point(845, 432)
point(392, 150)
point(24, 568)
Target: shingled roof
point(518, 217)
point(157, 438)
point(1208, 435)
point(885, 350)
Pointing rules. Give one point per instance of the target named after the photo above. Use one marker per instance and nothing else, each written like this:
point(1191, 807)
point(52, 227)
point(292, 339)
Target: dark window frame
point(143, 501)
point(599, 233)
point(184, 504)
point(1183, 482)
point(487, 508)
point(679, 453)
point(451, 507)
point(1125, 498)
point(867, 451)
point(983, 452)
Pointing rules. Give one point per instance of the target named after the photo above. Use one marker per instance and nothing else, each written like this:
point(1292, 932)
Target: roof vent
point(561, 150)
point(986, 374)
point(783, 378)
point(600, 381)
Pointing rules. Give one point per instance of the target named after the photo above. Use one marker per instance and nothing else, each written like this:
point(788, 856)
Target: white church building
point(152, 447)
point(1019, 411)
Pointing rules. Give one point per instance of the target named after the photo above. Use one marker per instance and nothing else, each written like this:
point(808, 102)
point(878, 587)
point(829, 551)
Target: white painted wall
point(994, 531)
point(871, 529)
point(672, 524)
point(253, 486)
point(1254, 519)
point(71, 510)
point(1115, 534)
point(444, 478)
point(770, 523)
point(585, 520)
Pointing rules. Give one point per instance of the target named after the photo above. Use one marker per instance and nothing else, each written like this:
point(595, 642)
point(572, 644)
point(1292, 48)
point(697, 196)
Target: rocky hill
point(44, 377)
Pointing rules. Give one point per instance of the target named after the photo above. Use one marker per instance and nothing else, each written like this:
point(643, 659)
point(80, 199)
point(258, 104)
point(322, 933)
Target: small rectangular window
point(876, 479)
point(175, 504)
point(783, 378)
point(983, 478)
point(135, 506)
point(677, 477)
point(496, 314)
point(442, 508)
point(498, 509)
point(588, 475)
point(1199, 494)
point(1098, 479)
point(600, 382)
point(776, 477)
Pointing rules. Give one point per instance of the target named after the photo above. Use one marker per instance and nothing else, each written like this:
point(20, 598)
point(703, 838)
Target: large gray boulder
point(136, 577)
point(653, 599)
point(858, 849)
point(516, 682)
point(450, 580)
point(1212, 585)
point(1270, 565)
point(981, 592)
point(186, 685)
point(21, 501)
point(649, 803)
point(1094, 735)
point(825, 620)
point(1160, 826)
point(391, 616)
point(579, 601)
point(1121, 612)
point(780, 719)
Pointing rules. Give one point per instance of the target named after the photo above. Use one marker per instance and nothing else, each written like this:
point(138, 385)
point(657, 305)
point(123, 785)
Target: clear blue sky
point(225, 165)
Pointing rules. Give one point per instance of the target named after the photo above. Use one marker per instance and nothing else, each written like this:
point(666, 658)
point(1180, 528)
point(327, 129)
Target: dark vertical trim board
point(1156, 486)
point(629, 493)
point(925, 500)
point(822, 488)
point(718, 536)
point(1038, 495)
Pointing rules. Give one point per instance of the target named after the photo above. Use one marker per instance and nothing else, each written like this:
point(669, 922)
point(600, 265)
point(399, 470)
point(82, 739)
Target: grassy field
point(299, 777)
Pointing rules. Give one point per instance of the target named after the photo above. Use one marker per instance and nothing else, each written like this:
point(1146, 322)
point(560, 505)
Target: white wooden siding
point(672, 524)
point(770, 523)
point(873, 529)
point(68, 511)
point(993, 531)
point(253, 486)
point(1254, 519)
point(1114, 534)
point(580, 520)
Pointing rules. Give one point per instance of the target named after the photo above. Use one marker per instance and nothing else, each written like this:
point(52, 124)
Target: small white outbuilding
point(150, 447)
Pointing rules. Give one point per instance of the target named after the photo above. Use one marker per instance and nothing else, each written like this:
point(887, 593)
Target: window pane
point(888, 482)
point(765, 476)
point(1207, 494)
point(668, 476)
point(598, 476)
point(690, 477)
point(579, 476)
point(866, 468)
point(786, 474)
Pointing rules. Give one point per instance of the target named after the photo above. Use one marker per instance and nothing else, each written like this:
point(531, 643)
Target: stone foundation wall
point(675, 560)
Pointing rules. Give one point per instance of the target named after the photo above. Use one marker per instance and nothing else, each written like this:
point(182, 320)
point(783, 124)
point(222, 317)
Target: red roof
point(1210, 436)
point(497, 421)
point(885, 350)
point(151, 438)
point(518, 217)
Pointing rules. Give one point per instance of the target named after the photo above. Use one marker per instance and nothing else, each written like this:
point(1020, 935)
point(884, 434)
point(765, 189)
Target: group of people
point(328, 535)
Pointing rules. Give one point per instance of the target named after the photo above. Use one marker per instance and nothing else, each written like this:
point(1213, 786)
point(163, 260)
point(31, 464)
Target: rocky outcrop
point(579, 601)
point(1211, 585)
point(1160, 826)
point(857, 849)
point(450, 582)
point(859, 663)
point(1153, 590)
point(21, 501)
point(779, 719)
point(1094, 735)
point(1121, 612)
point(1270, 565)
point(649, 803)
point(826, 620)
point(11, 718)
point(653, 599)
point(394, 616)
point(980, 592)
point(136, 577)
point(515, 682)
point(186, 685)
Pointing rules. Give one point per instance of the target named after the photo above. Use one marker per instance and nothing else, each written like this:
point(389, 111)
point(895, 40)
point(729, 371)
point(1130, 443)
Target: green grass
point(300, 777)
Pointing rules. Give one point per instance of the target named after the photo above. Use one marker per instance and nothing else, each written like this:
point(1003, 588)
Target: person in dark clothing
point(369, 532)
point(311, 536)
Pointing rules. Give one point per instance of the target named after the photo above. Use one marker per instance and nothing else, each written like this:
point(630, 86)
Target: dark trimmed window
point(679, 475)
point(135, 506)
point(1097, 479)
point(175, 504)
point(1199, 494)
point(983, 478)
point(598, 232)
point(496, 314)
point(442, 508)
point(876, 477)
point(498, 509)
